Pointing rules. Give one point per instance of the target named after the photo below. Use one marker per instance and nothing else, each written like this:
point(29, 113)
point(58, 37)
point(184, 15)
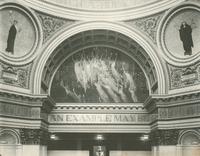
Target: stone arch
point(149, 51)
point(189, 137)
point(9, 137)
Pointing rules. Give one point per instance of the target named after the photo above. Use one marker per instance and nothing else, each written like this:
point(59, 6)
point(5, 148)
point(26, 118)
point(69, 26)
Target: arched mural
point(97, 75)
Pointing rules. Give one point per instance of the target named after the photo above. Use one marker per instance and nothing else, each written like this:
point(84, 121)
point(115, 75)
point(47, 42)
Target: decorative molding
point(100, 5)
point(97, 106)
point(108, 15)
point(178, 99)
point(181, 77)
point(15, 75)
point(12, 110)
point(184, 111)
point(164, 137)
point(148, 25)
point(51, 24)
point(24, 99)
point(25, 106)
point(34, 136)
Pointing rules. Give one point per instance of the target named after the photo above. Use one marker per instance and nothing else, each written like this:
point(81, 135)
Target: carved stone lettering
point(97, 118)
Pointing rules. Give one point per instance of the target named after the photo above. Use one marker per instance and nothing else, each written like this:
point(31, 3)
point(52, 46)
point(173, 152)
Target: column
point(34, 142)
point(164, 142)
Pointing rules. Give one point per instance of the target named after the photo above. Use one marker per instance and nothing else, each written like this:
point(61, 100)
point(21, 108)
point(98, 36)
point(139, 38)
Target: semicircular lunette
point(99, 75)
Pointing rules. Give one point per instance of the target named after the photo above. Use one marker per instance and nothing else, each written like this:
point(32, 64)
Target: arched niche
point(92, 34)
point(190, 138)
point(9, 142)
point(9, 137)
point(98, 39)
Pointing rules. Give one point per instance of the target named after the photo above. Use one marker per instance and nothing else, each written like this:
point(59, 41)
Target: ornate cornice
point(99, 107)
point(173, 107)
point(26, 99)
point(167, 100)
point(22, 106)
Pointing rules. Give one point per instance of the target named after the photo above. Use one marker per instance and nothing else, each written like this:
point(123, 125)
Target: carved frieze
point(34, 136)
point(15, 75)
point(19, 111)
point(148, 25)
point(51, 24)
point(184, 76)
point(25, 106)
point(191, 110)
point(164, 137)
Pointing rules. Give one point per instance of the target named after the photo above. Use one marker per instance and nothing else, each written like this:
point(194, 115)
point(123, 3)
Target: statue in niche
point(14, 29)
point(185, 32)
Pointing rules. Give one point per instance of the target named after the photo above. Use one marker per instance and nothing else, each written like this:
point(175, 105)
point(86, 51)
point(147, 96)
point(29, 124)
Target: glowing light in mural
point(98, 75)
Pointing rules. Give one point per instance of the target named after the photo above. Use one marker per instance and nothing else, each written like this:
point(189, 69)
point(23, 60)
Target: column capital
point(164, 137)
point(34, 136)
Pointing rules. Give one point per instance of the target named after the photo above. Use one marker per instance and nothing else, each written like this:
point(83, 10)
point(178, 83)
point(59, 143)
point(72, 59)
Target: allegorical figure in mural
point(185, 32)
point(11, 37)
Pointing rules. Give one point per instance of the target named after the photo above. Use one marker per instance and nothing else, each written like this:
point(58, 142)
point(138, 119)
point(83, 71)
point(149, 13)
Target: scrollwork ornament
point(148, 25)
point(51, 24)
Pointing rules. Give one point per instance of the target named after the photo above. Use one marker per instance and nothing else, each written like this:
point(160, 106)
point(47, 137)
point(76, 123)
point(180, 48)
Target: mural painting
point(17, 32)
point(99, 75)
point(182, 33)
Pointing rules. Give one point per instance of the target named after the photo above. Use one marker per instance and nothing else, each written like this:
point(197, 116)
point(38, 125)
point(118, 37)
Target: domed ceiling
point(100, 4)
point(101, 9)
